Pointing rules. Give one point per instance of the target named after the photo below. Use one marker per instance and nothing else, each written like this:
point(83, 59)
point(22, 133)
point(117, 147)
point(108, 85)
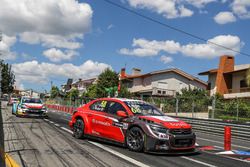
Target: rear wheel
point(135, 139)
point(78, 129)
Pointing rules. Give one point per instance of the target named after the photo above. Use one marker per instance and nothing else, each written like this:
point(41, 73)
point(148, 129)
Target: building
point(66, 87)
point(82, 84)
point(160, 83)
point(228, 79)
point(29, 92)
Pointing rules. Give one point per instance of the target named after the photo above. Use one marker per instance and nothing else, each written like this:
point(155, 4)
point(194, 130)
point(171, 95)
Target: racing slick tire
point(78, 129)
point(135, 139)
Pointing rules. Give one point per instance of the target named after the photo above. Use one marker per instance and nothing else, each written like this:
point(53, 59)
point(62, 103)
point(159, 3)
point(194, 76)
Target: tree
point(91, 91)
point(124, 92)
point(107, 79)
point(73, 94)
point(8, 78)
point(54, 92)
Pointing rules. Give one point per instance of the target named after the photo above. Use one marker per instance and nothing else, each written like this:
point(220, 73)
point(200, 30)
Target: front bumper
point(32, 113)
point(176, 144)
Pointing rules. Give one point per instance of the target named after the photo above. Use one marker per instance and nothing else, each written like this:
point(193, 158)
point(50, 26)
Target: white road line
point(222, 143)
point(57, 125)
point(45, 119)
point(131, 160)
point(51, 122)
point(199, 162)
point(67, 130)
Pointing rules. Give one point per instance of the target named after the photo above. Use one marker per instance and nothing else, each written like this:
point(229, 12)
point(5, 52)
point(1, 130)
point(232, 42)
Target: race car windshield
point(141, 108)
point(32, 100)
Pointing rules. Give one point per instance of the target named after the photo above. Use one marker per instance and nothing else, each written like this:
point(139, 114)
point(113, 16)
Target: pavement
point(48, 142)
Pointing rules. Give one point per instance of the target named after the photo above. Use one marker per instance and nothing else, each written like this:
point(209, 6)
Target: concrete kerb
point(2, 157)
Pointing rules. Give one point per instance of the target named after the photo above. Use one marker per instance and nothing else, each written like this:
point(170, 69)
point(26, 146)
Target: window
point(99, 105)
point(209, 86)
point(114, 107)
point(243, 83)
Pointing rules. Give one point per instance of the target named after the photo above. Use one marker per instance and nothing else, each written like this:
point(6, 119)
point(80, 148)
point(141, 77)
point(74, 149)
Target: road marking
point(131, 160)
point(10, 162)
point(221, 142)
point(199, 162)
point(67, 130)
point(51, 122)
point(57, 125)
point(45, 119)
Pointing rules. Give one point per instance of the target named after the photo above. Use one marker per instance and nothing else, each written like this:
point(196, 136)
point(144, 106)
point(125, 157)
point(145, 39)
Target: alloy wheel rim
point(135, 139)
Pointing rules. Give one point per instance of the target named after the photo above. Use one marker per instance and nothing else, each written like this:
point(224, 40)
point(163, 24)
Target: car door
point(115, 131)
point(97, 119)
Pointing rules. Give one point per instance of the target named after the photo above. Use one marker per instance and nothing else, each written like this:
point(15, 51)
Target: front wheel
point(135, 139)
point(78, 129)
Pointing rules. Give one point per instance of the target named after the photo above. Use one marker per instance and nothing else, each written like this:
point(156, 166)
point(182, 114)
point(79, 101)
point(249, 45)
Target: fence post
point(193, 109)
point(237, 109)
point(176, 106)
point(213, 106)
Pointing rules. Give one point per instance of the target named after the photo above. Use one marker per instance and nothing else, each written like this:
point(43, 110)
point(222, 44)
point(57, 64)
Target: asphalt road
point(48, 142)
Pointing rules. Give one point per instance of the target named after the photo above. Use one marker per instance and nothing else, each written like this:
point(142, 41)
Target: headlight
point(159, 131)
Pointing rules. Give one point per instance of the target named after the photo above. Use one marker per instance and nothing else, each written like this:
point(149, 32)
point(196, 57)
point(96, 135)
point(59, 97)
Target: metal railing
point(240, 90)
point(239, 131)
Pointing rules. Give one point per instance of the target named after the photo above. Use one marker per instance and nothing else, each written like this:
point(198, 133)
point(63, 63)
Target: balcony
point(238, 93)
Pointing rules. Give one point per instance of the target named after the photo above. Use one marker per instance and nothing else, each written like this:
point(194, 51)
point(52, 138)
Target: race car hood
point(166, 121)
point(33, 105)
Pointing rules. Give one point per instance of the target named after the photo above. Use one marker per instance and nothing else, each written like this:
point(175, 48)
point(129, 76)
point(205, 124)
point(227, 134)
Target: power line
point(172, 27)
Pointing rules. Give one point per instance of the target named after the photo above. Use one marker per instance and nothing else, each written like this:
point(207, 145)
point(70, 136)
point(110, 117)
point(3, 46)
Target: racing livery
point(134, 124)
point(29, 106)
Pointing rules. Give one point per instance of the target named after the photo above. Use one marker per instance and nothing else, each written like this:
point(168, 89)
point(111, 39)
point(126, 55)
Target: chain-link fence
point(199, 107)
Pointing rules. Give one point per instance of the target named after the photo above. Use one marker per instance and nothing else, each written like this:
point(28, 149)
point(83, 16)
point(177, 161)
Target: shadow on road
point(2, 160)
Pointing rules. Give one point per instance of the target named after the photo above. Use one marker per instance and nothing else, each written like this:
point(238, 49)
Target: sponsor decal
point(165, 118)
point(100, 122)
point(163, 136)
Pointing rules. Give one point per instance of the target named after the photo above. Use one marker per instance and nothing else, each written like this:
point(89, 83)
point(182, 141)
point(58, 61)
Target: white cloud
point(47, 40)
point(169, 8)
point(241, 8)
point(200, 3)
point(166, 59)
point(224, 18)
point(53, 23)
point(57, 55)
point(143, 47)
point(40, 73)
point(5, 45)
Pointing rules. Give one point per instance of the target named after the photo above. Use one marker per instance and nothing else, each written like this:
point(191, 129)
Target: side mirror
point(122, 114)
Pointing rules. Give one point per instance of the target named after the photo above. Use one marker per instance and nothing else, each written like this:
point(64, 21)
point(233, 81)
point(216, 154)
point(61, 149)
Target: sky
point(50, 41)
